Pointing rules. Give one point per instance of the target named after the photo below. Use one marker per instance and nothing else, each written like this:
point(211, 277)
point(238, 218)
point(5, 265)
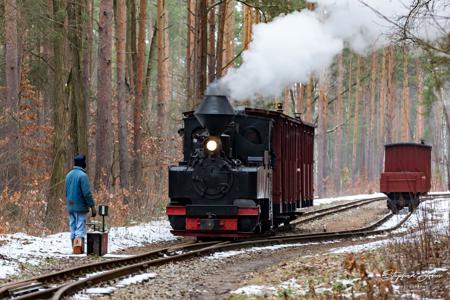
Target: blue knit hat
point(80, 161)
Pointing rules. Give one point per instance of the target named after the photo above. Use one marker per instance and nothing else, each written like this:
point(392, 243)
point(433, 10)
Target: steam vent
point(215, 113)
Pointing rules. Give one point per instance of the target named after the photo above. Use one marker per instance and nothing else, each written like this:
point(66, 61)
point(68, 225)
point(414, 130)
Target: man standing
point(79, 200)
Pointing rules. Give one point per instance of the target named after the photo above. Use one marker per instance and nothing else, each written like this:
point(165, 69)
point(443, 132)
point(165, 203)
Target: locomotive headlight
point(212, 145)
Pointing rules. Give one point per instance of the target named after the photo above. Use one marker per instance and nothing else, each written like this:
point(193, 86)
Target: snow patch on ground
point(136, 279)
point(290, 288)
point(432, 215)
point(359, 248)
point(110, 289)
point(255, 290)
point(19, 248)
point(348, 198)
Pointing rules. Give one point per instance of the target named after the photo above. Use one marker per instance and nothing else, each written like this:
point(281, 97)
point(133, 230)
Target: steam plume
point(292, 47)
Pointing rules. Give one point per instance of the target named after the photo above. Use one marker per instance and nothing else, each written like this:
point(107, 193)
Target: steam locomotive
point(244, 172)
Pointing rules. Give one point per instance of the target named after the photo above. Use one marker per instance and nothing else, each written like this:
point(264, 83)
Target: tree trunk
point(137, 165)
point(321, 135)
point(356, 116)
point(60, 120)
point(147, 94)
point(372, 116)
point(300, 99)
point(405, 106)
point(247, 26)
point(362, 161)
point(78, 102)
point(220, 48)
point(309, 100)
point(122, 98)
point(286, 95)
point(446, 111)
point(190, 53)
point(229, 35)
point(131, 45)
point(87, 54)
point(12, 96)
point(382, 114)
point(419, 101)
point(349, 133)
point(162, 68)
point(212, 43)
point(201, 48)
point(338, 123)
point(381, 131)
point(390, 94)
point(104, 144)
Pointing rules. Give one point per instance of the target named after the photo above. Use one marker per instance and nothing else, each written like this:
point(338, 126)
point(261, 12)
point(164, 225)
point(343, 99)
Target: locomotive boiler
point(243, 172)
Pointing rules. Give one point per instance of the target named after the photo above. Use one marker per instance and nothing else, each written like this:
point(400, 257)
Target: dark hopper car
point(407, 174)
point(243, 172)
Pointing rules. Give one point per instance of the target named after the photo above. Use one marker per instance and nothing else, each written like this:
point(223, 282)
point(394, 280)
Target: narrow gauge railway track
point(28, 287)
point(320, 213)
point(304, 238)
point(66, 282)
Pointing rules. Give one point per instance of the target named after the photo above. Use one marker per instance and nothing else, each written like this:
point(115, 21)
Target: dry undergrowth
point(416, 265)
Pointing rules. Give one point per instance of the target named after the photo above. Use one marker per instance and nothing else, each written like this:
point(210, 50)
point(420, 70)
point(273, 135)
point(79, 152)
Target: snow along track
point(68, 281)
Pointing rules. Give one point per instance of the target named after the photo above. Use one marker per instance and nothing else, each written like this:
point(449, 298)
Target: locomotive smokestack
point(215, 113)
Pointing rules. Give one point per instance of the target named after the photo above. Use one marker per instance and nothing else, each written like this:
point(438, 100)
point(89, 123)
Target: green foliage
point(273, 8)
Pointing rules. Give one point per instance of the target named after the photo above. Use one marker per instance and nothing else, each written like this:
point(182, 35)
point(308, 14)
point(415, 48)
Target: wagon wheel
point(392, 204)
point(413, 203)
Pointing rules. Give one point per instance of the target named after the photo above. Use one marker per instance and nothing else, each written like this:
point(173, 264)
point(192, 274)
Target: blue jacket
point(78, 191)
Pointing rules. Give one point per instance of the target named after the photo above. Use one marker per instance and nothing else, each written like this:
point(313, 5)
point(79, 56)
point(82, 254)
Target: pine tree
point(122, 98)
point(12, 95)
point(103, 160)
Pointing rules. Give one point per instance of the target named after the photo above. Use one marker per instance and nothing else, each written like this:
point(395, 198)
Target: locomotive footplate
point(209, 224)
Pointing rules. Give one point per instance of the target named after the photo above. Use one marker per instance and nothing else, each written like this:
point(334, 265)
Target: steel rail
point(76, 286)
point(334, 209)
point(152, 258)
point(312, 212)
point(94, 267)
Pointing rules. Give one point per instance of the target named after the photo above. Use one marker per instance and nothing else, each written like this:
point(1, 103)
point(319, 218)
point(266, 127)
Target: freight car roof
point(263, 113)
point(407, 144)
point(273, 114)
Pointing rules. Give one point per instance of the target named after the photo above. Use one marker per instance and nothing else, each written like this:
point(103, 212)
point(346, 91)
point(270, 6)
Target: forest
point(111, 79)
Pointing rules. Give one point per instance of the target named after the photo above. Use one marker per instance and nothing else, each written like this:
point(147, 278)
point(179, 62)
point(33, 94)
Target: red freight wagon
point(407, 174)
point(293, 148)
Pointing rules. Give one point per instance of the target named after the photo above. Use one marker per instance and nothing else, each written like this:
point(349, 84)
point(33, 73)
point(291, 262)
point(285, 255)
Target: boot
point(78, 245)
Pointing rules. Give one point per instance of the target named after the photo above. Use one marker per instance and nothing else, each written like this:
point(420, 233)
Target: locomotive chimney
point(215, 113)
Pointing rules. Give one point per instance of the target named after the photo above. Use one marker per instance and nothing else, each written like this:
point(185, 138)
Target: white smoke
point(292, 47)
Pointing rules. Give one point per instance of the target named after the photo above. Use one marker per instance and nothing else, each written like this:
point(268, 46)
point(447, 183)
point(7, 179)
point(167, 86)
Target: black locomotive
point(228, 184)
